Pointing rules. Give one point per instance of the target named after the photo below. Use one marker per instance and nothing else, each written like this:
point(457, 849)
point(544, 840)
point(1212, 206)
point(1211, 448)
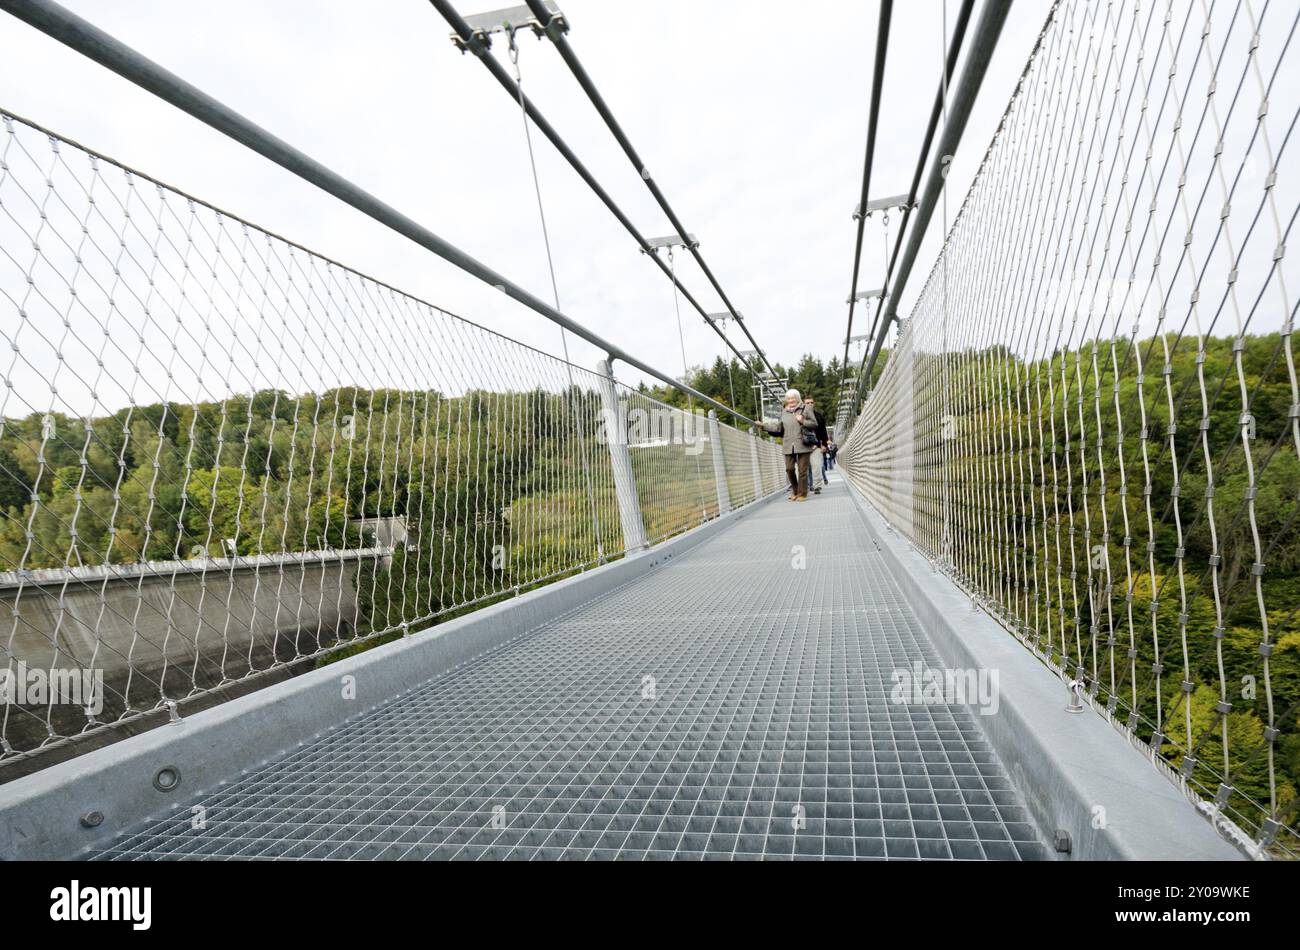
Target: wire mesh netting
point(224, 456)
point(1091, 416)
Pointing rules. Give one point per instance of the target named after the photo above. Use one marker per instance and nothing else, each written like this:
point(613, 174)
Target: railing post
point(615, 431)
point(753, 458)
point(719, 467)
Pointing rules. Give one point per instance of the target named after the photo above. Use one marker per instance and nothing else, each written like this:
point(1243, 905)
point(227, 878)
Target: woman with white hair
point(797, 428)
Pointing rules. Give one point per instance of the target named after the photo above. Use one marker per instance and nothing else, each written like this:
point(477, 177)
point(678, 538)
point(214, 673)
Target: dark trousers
point(796, 469)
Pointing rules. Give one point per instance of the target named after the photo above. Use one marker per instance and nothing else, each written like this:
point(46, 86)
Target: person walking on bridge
point(797, 428)
point(817, 465)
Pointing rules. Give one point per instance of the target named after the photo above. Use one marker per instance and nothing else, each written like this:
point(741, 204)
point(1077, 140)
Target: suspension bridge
point(299, 565)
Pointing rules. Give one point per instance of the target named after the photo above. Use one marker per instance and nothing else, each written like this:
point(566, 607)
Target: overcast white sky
point(751, 115)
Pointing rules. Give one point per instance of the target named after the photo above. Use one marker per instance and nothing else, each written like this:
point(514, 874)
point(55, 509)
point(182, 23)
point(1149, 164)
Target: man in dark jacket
point(795, 420)
point(818, 464)
point(823, 437)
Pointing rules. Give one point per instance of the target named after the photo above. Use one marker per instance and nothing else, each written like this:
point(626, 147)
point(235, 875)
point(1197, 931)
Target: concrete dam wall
point(165, 629)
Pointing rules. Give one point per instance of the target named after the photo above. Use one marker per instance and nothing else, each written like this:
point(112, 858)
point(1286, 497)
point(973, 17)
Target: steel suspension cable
point(597, 100)
point(950, 64)
point(478, 46)
point(868, 159)
point(891, 291)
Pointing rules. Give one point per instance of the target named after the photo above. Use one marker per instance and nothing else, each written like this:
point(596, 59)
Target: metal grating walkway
point(770, 694)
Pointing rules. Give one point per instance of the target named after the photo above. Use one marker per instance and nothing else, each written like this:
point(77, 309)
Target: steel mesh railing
point(672, 463)
point(223, 456)
point(1091, 416)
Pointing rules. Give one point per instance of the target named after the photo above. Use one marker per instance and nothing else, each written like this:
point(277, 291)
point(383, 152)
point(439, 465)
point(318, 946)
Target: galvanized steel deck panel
point(770, 692)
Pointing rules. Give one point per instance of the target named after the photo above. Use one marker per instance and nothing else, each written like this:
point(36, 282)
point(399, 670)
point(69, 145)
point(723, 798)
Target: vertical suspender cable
point(574, 394)
point(731, 383)
point(688, 431)
point(947, 436)
point(681, 336)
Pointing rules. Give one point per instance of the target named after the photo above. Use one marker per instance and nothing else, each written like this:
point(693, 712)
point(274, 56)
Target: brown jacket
point(790, 428)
